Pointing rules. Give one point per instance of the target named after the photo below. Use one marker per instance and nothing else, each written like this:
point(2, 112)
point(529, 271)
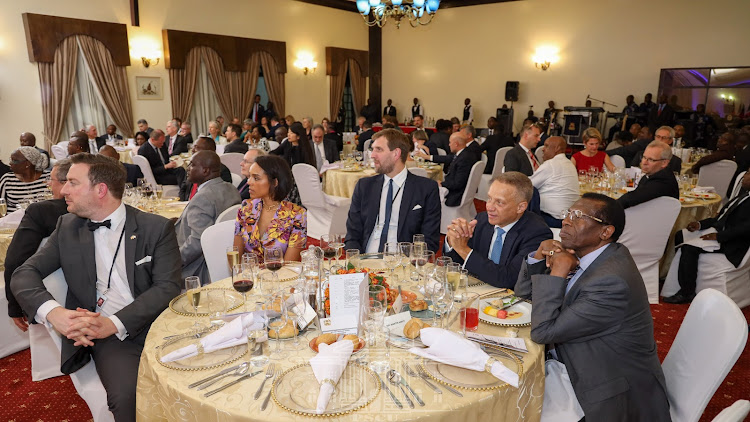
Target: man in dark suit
point(186, 132)
point(133, 171)
point(493, 245)
point(324, 148)
point(732, 232)
point(235, 142)
point(38, 222)
point(175, 143)
point(111, 137)
point(365, 136)
point(389, 110)
point(521, 158)
point(493, 143)
point(592, 307)
point(661, 115)
point(122, 267)
point(165, 171)
point(458, 177)
point(664, 134)
point(256, 111)
point(95, 142)
point(407, 204)
point(657, 179)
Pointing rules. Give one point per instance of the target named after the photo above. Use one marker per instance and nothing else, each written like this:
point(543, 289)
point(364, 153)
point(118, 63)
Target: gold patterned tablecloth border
point(201, 314)
point(324, 415)
point(463, 387)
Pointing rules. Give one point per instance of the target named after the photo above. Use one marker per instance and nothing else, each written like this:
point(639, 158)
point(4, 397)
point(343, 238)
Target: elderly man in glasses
point(657, 179)
point(591, 308)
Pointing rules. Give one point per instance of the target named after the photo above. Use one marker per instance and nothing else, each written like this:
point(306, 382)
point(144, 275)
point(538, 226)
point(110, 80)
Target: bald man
point(557, 181)
point(28, 139)
point(212, 197)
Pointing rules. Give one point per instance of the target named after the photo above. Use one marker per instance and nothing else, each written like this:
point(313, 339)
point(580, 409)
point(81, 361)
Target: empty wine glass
point(294, 297)
point(352, 258)
point(392, 257)
point(269, 283)
point(193, 294)
point(277, 323)
point(417, 249)
point(425, 262)
point(405, 249)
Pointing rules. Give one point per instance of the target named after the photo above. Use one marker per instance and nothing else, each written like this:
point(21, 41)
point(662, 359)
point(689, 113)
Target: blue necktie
point(497, 247)
point(387, 222)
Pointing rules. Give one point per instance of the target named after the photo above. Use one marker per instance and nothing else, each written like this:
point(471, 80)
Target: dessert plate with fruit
point(510, 311)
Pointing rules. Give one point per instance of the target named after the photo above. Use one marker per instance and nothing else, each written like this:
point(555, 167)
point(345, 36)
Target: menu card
point(346, 293)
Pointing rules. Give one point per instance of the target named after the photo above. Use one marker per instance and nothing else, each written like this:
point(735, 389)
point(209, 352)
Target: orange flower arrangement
point(374, 280)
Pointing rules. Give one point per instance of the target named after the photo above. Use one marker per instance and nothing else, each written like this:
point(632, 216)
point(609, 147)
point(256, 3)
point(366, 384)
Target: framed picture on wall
point(149, 88)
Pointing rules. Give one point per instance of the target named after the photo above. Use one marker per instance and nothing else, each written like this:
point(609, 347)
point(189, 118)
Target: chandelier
point(418, 12)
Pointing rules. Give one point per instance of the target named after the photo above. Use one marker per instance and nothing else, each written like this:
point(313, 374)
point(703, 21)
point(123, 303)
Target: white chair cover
point(465, 208)
point(719, 175)
point(483, 157)
point(233, 161)
point(272, 145)
point(13, 339)
point(441, 151)
point(326, 214)
point(737, 185)
point(228, 214)
point(539, 154)
point(486, 179)
point(560, 402)
point(60, 150)
point(714, 272)
point(709, 342)
point(737, 412)
point(419, 171)
point(145, 167)
point(214, 241)
point(618, 161)
point(647, 229)
point(236, 179)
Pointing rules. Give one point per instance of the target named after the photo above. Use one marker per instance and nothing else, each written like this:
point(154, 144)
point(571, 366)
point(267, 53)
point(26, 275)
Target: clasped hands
point(693, 226)
point(559, 260)
point(458, 234)
point(81, 325)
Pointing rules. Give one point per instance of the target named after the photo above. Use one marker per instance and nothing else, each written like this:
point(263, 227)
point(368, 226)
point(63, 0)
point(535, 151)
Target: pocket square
point(145, 259)
point(417, 207)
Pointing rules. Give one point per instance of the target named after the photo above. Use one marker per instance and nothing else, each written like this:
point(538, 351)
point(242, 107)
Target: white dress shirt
point(92, 146)
point(118, 295)
point(557, 182)
point(398, 192)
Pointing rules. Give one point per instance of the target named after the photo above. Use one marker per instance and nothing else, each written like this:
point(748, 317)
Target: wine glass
point(358, 156)
point(418, 239)
point(392, 256)
point(441, 265)
point(159, 191)
point(277, 323)
point(442, 299)
point(417, 249)
point(453, 277)
point(352, 258)
point(424, 262)
point(193, 293)
point(337, 242)
point(329, 248)
point(242, 281)
point(294, 296)
point(405, 249)
point(269, 282)
point(377, 294)
point(273, 258)
point(233, 257)
point(260, 333)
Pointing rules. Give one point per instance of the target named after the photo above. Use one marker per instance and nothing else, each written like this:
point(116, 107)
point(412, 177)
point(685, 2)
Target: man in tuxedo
point(213, 196)
point(256, 111)
point(661, 115)
point(521, 158)
point(389, 110)
point(458, 176)
point(468, 114)
point(186, 132)
point(493, 143)
point(591, 308)
point(133, 171)
point(324, 148)
point(122, 267)
point(417, 109)
point(144, 127)
point(38, 222)
point(95, 142)
point(732, 232)
point(78, 142)
point(407, 204)
point(365, 135)
point(657, 179)
point(165, 171)
point(235, 142)
point(664, 134)
point(493, 245)
point(111, 137)
point(176, 144)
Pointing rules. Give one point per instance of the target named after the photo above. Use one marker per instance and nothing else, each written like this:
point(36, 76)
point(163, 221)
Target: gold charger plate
point(293, 391)
point(472, 380)
point(7, 231)
point(201, 362)
point(181, 306)
point(351, 170)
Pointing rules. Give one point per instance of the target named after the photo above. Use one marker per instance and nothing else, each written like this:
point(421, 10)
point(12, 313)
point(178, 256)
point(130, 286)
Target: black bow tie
point(93, 226)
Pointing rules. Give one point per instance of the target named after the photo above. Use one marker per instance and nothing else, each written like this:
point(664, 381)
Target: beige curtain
point(182, 85)
point(359, 84)
point(275, 82)
point(111, 82)
point(57, 81)
point(215, 70)
point(338, 82)
point(242, 86)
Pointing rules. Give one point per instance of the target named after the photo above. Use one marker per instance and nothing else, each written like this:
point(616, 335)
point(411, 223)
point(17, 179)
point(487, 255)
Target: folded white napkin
point(704, 189)
point(328, 366)
point(328, 166)
point(452, 349)
point(231, 334)
point(12, 220)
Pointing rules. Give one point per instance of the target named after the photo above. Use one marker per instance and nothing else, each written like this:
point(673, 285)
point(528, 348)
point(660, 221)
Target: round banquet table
point(162, 393)
point(125, 154)
point(349, 148)
point(339, 182)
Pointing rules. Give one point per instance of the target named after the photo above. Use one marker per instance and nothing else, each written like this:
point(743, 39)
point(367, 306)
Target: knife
point(390, 393)
point(225, 386)
point(209, 378)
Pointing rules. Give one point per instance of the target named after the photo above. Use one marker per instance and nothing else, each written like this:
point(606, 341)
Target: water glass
point(269, 283)
point(352, 258)
point(469, 312)
point(378, 348)
point(277, 323)
point(216, 305)
point(257, 338)
point(392, 257)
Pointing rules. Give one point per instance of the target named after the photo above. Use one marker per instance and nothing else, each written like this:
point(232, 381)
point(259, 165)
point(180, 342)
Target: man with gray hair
point(324, 148)
point(143, 126)
point(94, 141)
point(657, 179)
point(665, 134)
point(186, 132)
point(176, 144)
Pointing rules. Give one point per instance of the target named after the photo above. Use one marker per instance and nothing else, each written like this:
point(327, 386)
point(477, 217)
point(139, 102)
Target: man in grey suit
point(122, 267)
point(324, 148)
point(591, 309)
point(211, 199)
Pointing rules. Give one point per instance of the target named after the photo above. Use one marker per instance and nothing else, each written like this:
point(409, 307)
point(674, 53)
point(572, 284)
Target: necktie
point(388, 211)
point(497, 246)
point(193, 191)
point(721, 220)
point(171, 144)
point(318, 157)
point(570, 276)
point(661, 107)
point(93, 226)
point(534, 163)
point(92, 146)
point(161, 157)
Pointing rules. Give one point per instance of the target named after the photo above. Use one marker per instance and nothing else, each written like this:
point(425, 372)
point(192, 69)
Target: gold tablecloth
point(125, 156)
point(5, 239)
point(349, 148)
point(338, 182)
point(162, 393)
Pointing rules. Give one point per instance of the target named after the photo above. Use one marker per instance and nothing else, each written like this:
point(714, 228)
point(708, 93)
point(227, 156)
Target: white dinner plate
point(524, 319)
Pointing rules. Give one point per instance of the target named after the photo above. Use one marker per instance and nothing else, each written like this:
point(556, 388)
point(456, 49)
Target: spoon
point(395, 379)
point(401, 380)
point(241, 370)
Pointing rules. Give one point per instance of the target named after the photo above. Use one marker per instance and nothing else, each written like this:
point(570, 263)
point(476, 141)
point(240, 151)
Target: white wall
point(302, 26)
point(607, 48)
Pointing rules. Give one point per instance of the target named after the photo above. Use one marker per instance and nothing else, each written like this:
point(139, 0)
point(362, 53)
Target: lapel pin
point(132, 237)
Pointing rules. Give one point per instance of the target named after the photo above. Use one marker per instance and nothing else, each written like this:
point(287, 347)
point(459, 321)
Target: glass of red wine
point(273, 259)
point(242, 280)
point(330, 248)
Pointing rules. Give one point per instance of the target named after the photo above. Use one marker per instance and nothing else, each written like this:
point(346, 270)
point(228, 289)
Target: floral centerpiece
point(374, 280)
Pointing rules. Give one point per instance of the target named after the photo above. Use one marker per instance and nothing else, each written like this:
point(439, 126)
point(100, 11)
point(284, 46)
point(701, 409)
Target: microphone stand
point(589, 97)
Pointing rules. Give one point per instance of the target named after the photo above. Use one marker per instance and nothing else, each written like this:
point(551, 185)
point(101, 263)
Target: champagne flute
point(273, 258)
point(392, 257)
point(405, 249)
point(453, 277)
point(242, 281)
point(233, 257)
point(417, 249)
point(159, 190)
point(277, 323)
point(193, 293)
point(3, 207)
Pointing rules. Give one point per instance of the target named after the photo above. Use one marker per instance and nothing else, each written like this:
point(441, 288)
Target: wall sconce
point(145, 49)
point(147, 61)
point(544, 57)
point(306, 63)
point(727, 99)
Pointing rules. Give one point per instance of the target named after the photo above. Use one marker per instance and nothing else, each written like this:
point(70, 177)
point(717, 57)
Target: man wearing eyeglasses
point(657, 179)
point(591, 309)
point(664, 134)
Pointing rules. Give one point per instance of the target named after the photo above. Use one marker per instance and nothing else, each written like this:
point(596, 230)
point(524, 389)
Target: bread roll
point(354, 339)
point(288, 331)
point(418, 305)
point(411, 329)
point(328, 338)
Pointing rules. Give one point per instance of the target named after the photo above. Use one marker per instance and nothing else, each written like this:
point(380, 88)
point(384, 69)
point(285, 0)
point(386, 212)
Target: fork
point(269, 374)
point(424, 375)
point(411, 373)
point(268, 396)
